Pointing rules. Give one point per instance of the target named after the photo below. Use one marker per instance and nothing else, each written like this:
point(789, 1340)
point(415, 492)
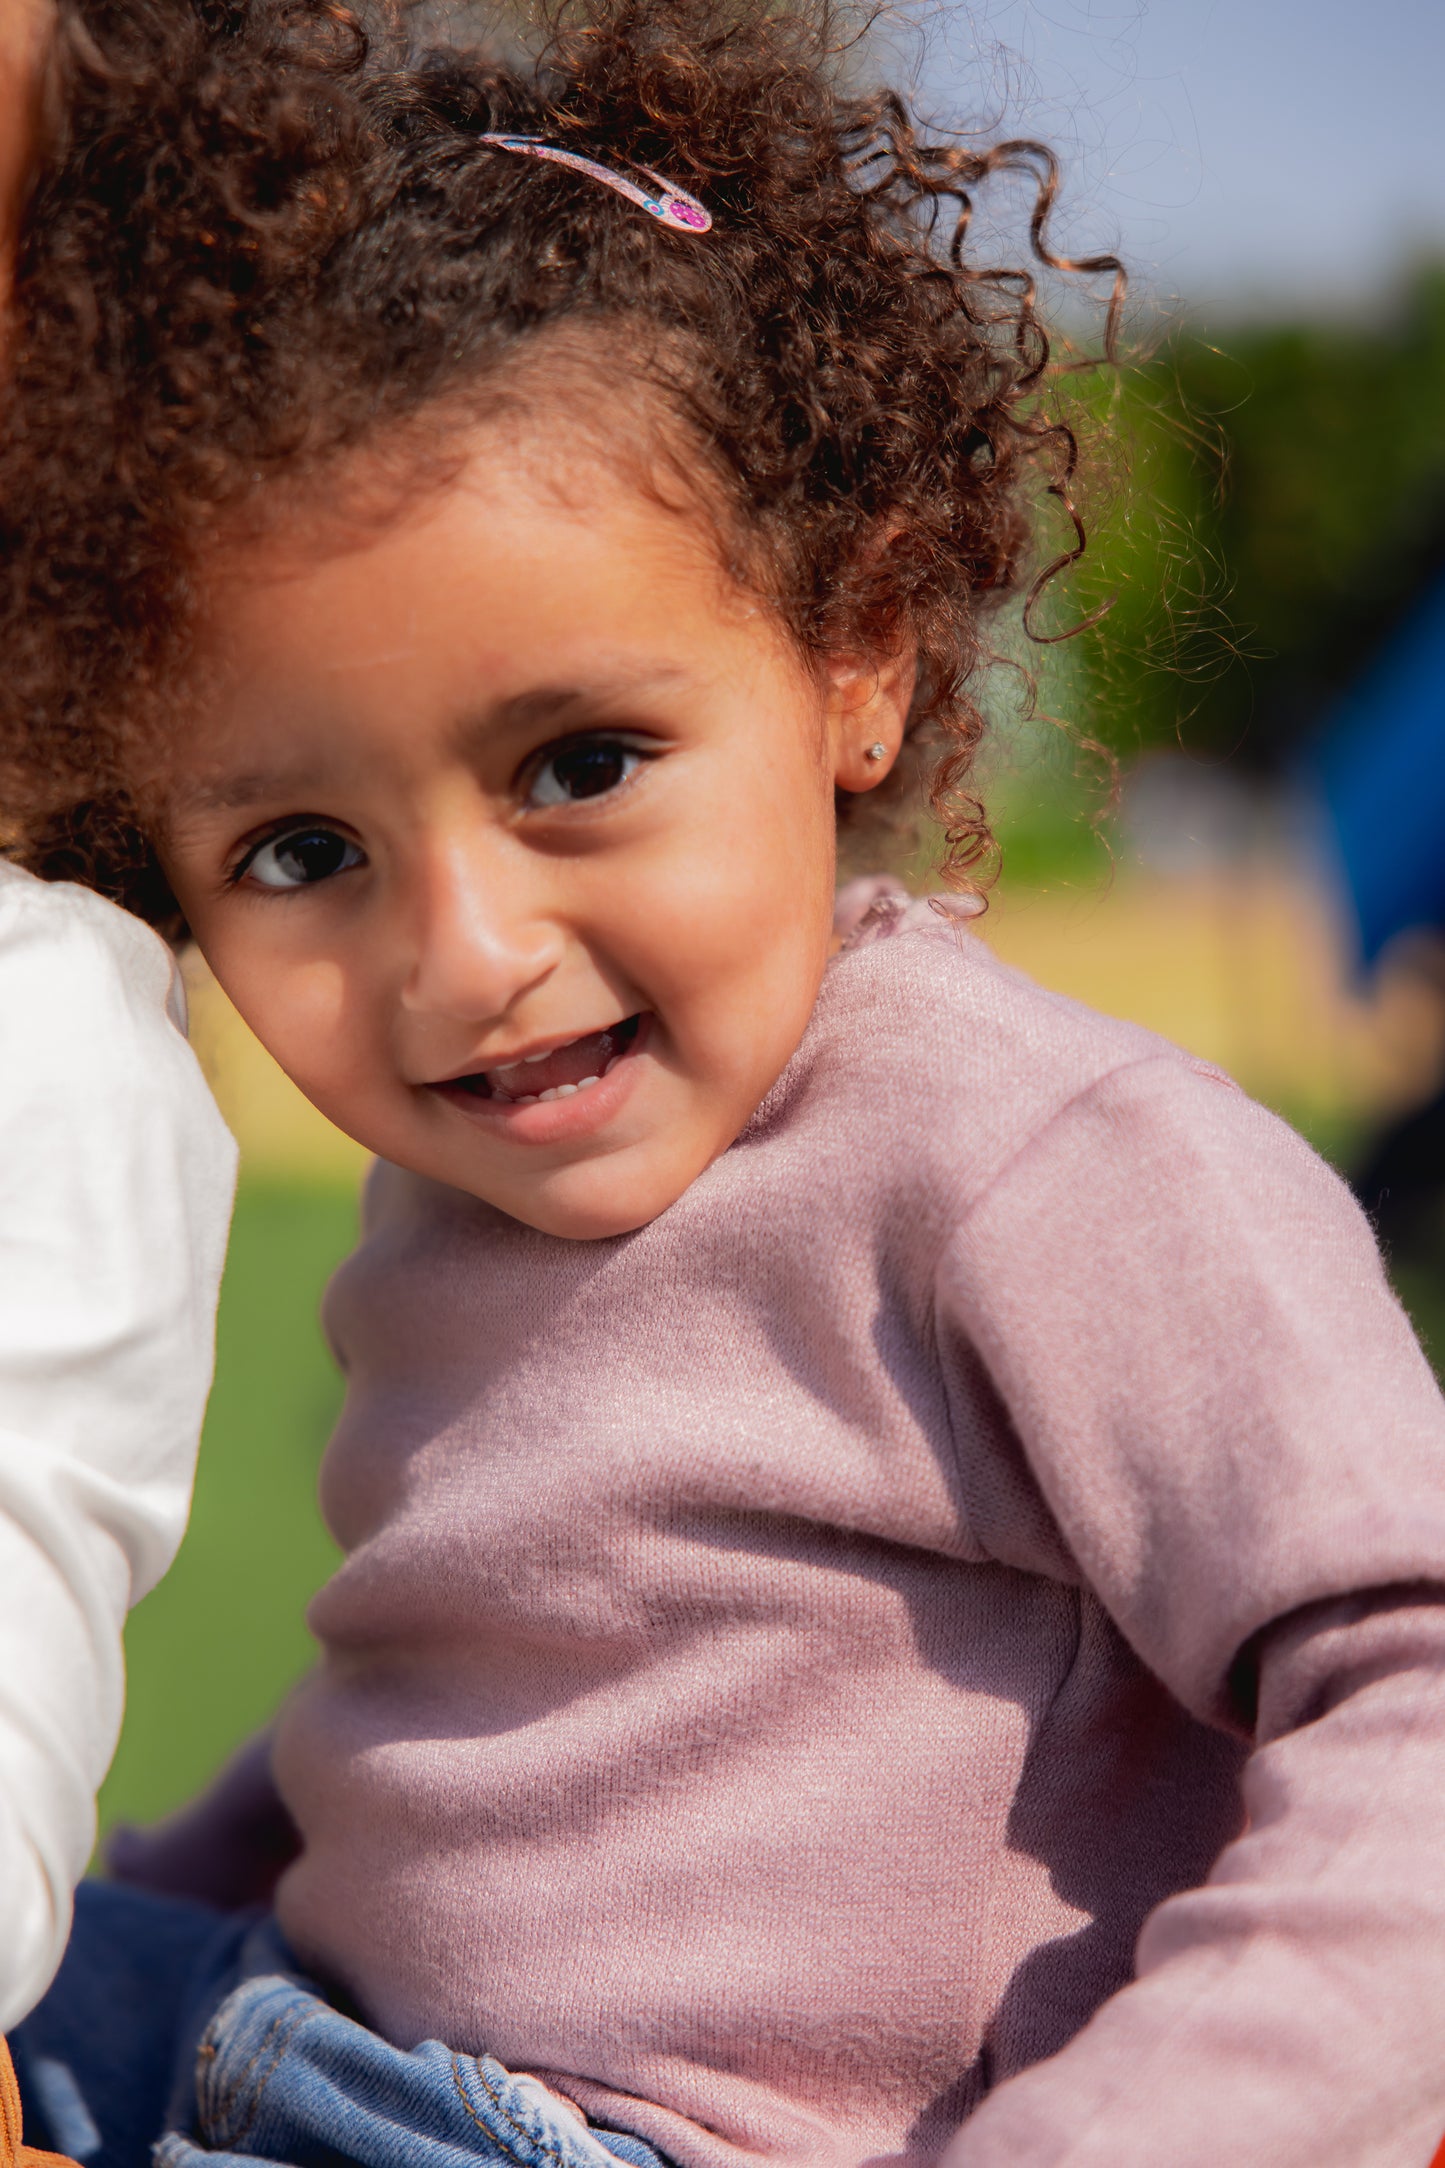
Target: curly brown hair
point(260, 240)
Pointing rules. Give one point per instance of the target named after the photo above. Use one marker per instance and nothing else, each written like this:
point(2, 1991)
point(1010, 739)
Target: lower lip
point(554, 1121)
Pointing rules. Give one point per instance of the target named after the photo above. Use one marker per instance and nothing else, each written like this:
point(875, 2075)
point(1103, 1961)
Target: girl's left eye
point(585, 768)
point(300, 857)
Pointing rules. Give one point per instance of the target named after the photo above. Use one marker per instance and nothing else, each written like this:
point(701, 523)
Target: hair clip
point(673, 206)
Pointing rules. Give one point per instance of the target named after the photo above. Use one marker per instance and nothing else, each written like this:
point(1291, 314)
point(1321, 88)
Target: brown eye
point(587, 768)
point(300, 857)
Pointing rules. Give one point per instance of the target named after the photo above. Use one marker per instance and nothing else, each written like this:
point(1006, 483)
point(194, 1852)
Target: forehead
point(528, 487)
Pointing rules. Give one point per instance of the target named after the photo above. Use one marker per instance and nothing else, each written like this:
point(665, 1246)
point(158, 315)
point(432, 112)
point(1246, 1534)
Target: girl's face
point(509, 829)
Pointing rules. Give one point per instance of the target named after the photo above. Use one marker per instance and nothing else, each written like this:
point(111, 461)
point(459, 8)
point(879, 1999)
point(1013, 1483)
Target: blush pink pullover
point(934, 1645)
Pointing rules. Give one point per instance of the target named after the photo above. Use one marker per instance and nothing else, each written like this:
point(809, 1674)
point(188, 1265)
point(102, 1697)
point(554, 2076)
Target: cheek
point(761, 836)
point(735, 901)
point(732, 959)
point(312, 1015)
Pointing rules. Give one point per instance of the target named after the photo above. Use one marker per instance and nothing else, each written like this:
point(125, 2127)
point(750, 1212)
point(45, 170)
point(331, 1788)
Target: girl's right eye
point(592, 765)
point(300, 857)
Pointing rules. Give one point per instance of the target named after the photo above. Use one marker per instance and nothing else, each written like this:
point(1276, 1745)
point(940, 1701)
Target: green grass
point(1420, 1284)
point(211, 1652)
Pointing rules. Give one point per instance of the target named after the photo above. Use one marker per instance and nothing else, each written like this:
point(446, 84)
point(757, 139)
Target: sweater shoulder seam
point(1060, 1113)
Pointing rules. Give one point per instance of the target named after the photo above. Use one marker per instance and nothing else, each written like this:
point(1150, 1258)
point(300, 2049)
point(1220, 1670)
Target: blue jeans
point(193, 2031)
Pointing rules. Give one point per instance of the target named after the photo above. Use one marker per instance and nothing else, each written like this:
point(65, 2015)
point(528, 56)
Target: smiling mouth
point(559, 1074)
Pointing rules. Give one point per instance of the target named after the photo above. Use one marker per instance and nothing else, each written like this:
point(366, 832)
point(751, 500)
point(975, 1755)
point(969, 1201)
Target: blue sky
point(1246, 153)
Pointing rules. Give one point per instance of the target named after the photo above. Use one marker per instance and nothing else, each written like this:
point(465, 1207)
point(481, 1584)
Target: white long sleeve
point(116, 1179)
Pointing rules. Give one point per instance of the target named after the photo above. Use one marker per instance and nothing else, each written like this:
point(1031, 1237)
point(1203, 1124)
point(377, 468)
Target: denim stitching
point(534, 2145)
point(222, 2098)
point(298, 2018)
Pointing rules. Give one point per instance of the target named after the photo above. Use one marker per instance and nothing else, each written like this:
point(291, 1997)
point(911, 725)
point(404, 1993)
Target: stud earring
point(876, 752)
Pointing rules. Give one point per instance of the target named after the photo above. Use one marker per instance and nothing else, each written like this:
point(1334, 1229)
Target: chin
point(593, 1221)
point(599, 1199)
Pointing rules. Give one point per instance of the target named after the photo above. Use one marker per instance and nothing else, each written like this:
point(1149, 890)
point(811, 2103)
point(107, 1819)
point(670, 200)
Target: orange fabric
point(1439, 2160)
point(13, 2152)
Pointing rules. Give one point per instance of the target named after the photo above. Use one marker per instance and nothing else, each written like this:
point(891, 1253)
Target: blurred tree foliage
point(1278, 503)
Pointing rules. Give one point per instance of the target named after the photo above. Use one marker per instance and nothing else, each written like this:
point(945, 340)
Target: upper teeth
point(504, 1068)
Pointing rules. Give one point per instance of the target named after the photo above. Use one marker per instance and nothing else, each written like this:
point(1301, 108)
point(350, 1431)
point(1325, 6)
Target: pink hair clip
point(671, 206)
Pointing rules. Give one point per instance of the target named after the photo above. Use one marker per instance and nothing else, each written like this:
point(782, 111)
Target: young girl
point(894, 1529)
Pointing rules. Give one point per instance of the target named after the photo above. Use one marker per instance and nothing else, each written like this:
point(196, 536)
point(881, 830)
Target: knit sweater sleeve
point(1223, 1414)
point(115, 1189)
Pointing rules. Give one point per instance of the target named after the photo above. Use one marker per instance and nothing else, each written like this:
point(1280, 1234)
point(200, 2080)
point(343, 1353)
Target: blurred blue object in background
point(1381, 763)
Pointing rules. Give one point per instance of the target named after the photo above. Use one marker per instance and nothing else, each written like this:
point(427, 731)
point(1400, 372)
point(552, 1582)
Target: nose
point(482, 937)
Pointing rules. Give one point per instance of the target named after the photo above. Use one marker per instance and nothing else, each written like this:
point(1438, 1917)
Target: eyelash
point(246, 864)
point(593, 742)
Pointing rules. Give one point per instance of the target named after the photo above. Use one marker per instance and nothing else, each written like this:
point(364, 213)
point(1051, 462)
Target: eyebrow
point(542, 707)
point(233, 793)
point(559, 707)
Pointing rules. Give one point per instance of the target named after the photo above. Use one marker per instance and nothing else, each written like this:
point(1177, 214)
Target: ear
point(867, 708)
